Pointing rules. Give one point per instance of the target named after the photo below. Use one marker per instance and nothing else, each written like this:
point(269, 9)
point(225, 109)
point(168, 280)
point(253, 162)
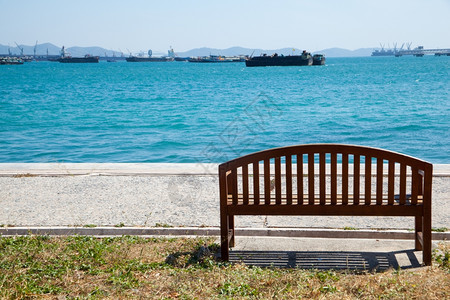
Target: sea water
point(187, 112)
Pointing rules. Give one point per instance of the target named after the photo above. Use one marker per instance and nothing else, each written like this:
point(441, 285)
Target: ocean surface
point(186, 112)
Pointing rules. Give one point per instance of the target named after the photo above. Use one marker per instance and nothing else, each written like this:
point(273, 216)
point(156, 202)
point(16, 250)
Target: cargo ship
point(280, 60)
point(149, 58)
point(86, 59)
point(383, 52)
point(65, 58)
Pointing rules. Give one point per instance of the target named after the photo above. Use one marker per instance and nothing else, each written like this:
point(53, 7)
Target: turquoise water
point(186, 112)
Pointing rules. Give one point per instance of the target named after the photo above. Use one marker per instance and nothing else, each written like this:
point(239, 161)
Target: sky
point(138, 25)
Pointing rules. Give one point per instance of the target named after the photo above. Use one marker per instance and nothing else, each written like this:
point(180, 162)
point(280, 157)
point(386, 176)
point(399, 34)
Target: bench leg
point(231, 227)
point(418, 231)
point(427, 239)
point(224, 242)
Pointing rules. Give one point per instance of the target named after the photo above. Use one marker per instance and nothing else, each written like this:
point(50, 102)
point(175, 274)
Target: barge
point(280, 60)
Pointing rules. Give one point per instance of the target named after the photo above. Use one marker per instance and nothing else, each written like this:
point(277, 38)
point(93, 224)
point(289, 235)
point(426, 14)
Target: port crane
point(34, 50)
point(20, 48)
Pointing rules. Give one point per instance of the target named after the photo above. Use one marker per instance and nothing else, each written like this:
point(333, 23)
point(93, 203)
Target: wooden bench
point(328, 180)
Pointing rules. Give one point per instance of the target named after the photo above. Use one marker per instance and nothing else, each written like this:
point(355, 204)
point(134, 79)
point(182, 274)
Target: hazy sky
point(140, 25)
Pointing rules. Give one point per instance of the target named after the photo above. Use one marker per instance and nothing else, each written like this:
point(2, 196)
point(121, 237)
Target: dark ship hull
point(148, 59)
point(87, 59)
point(181, 58)
point(291, 60)
point(318, 60)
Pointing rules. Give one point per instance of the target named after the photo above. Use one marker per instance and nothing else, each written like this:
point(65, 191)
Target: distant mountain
point(96, 51)
point(339, 52)
point(41, 49)
point(332, 52)
point(235, 51)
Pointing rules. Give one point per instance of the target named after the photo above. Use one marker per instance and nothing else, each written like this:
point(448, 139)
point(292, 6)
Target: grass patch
point(84, 267)
point(89, 225)
point(163, 225)
point(440, 229)
point(24, 175)
point(442, 256)
point(350, 228)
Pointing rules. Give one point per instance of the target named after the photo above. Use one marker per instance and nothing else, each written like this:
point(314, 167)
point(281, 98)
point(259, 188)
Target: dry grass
point(133, 267)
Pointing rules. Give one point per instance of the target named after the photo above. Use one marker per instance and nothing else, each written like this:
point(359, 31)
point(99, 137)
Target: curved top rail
point(326, 148)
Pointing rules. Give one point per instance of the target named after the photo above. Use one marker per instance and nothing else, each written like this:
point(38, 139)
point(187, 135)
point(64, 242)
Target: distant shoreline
point(42, 49)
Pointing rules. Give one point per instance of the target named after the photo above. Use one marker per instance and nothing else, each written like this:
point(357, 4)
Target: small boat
point(280, 60)
point(11, 61)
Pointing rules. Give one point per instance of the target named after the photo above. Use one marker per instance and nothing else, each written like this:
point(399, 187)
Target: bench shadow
point(325, 260)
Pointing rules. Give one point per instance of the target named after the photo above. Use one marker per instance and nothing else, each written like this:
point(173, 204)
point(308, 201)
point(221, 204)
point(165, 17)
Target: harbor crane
point(34, 50)
point(20, 48)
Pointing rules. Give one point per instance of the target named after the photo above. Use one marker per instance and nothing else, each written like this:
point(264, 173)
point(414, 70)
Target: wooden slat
point(414, 185)
point(289, 179)
point(379, 181)
point(402, 184)
point(322, 178)
point(300, 179)
point(327, 199)
point(391, 182)
point(344, 178)
point(333, 185)
point(323, 210)
point(311, 178)
point(278, 180)
point(356, 176)
point(256, 190)
point(420, 184)
point(267, 181)
point(234, 190)
point(368, 180)
point(245, 184)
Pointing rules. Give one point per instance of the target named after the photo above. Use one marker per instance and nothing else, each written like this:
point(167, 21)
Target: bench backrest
point(325, 174)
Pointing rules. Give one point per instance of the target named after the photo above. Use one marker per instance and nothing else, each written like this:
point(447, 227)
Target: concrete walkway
point(180, 195)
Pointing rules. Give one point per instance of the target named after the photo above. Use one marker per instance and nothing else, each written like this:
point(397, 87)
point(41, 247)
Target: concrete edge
point(215, 231)
point(131, 169)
